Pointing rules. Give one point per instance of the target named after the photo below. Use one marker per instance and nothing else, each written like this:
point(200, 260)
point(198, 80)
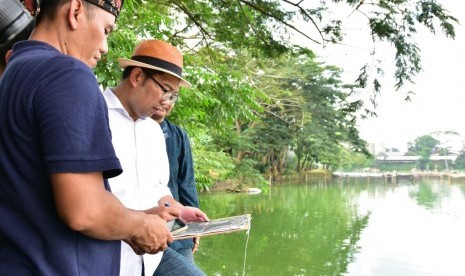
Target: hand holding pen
point(189, 213)
point(165, 212)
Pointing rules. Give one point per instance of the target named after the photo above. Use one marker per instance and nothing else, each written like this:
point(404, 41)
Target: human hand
point(166, 213)
point(189, 214)
point(152, 237)
point(134, 247)
point(196, 244)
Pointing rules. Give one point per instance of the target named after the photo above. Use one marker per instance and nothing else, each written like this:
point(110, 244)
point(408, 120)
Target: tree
point(460, 161)
point(268, 26)
point(351, 161)
point(257, 95)
point(424, 147)
point(445, 139)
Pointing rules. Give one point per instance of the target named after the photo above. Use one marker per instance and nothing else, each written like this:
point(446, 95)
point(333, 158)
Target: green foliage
point(246, 175)
point(424, 147)
point(259, 104)
point(353, 161)
point(397, 23)
point(138, 20)
point(210, 166)
point(460, 161)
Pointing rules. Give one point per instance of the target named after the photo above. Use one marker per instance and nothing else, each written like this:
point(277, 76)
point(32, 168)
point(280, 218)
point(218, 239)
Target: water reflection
point(414, 230)
point(356, 227)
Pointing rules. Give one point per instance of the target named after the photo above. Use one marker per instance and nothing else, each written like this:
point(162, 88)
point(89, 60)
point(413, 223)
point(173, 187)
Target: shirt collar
point(113, 102)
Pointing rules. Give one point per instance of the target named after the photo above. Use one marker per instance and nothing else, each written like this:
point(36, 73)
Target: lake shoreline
point(410, 176)
point(228, 186)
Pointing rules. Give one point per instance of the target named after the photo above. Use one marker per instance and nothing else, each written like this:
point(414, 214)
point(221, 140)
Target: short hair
point(127, 71)
point(49, 9)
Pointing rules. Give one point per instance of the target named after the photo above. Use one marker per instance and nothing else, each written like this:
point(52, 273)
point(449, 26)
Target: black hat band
point(160, 63)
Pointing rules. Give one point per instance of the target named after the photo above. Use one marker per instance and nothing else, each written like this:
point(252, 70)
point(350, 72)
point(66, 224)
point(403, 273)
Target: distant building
point(397, 158)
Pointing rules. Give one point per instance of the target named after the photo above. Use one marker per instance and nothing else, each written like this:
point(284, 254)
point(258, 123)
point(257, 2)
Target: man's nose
point(104, 48)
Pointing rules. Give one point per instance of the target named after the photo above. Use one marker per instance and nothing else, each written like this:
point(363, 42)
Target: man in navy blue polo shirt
point(57, 216)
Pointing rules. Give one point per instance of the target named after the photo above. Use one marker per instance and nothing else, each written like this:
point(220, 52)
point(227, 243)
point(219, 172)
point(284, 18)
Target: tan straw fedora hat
point(157, 55)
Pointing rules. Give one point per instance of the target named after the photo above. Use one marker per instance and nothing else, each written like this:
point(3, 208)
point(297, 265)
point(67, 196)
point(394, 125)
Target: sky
point(439, 100)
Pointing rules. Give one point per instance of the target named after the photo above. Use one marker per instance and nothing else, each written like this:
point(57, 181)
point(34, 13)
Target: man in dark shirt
point(58, 216)
point(182, 180)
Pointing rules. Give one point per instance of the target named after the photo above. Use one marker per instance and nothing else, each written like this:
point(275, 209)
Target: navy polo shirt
point(53, 119)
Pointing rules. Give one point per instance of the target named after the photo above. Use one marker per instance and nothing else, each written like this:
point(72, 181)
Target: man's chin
point(92, 63)
point(159, 114)
point(157, 117)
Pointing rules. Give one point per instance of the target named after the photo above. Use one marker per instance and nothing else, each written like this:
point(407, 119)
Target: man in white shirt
point(151, 79)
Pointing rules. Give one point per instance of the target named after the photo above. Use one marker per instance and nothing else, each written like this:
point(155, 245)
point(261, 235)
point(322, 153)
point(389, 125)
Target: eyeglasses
point(167, 95)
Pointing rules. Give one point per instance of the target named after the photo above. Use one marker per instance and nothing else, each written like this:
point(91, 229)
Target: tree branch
point(304, 12)
point(250, 23)
point(257, 8)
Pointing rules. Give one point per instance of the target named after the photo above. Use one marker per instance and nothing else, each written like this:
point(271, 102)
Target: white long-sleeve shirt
point(140, 147)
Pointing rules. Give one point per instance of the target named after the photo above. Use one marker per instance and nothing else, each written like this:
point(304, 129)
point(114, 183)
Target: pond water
point(353, 227)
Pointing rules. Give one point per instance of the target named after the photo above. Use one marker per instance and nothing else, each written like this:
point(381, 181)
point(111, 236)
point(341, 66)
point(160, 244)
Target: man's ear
point(8, 55)
point(136, 76)
point(76, 9)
